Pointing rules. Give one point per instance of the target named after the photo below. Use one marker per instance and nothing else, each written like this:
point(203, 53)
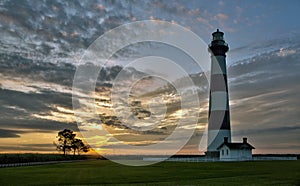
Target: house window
point(222, 151)
point(226, 151)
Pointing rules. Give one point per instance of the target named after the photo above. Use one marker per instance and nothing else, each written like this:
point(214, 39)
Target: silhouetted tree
point(78, 145)
point(65, 140)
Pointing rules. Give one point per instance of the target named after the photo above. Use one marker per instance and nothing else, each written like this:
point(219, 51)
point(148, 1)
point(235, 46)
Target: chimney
point(225, 139)
point(244, 140)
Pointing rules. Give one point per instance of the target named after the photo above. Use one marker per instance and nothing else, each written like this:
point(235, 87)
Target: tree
point(65, 139)
point(68, 142)
point(78, 145)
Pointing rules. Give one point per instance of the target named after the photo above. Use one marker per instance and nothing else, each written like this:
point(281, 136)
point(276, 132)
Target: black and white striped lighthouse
point(218, 116)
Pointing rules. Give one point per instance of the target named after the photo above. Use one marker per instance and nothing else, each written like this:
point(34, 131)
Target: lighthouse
point(218, 115)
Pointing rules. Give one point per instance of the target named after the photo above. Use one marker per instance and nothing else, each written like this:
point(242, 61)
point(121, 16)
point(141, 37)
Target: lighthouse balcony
point(218, 42)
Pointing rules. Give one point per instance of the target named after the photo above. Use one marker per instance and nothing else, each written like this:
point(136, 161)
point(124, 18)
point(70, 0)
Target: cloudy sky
point(41, 43)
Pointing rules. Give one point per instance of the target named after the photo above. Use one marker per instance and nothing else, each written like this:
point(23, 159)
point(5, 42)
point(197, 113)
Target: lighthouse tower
point(218, 116)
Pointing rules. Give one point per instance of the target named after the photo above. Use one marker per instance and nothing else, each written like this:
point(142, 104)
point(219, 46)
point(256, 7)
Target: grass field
point(104, 172)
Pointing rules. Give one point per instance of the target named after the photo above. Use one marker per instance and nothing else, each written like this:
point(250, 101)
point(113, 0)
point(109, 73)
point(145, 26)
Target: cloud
point(285, 52)
point(100, 7)
point(8, 133)
point(222, 16)
point(251, 84)
point(221, 3)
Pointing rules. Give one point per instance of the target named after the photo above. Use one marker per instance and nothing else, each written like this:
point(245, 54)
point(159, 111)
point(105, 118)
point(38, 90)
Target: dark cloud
point(268, 131)
point(18, 109)
point(37, 125)
point(8, 133)
point(33, 102)
point(15, 65)
point(15, 132)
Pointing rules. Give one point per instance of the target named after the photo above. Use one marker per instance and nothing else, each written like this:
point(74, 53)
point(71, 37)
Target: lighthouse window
point(226, 151)
point(222, 151)
point(218, 37)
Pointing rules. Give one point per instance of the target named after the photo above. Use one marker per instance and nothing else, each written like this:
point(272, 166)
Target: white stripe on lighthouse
point(219, 100)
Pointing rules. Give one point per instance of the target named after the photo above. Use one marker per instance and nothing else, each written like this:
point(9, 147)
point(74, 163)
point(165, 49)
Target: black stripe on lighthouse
point(219, 119)
point(219, 83)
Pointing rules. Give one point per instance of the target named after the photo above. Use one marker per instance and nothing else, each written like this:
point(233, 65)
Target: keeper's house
point(235, 151)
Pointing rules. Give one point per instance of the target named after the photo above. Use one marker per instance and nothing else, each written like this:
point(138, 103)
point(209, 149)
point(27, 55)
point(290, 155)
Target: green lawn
point(102, 172)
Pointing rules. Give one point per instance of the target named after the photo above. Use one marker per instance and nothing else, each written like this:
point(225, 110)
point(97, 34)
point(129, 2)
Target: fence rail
point(205, 159)
point(36, 163)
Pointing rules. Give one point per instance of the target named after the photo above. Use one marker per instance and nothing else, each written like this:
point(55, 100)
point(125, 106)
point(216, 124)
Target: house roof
point(236, 145)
